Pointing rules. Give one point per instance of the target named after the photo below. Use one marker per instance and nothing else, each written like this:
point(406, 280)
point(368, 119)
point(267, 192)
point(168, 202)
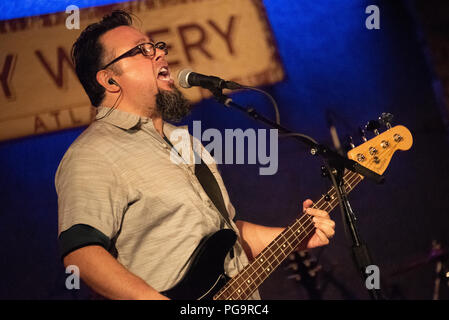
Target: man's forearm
point(105, 275)
point(256, 237)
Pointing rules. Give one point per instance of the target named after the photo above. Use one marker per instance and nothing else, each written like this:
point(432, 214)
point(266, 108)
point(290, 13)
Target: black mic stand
point(335, 164)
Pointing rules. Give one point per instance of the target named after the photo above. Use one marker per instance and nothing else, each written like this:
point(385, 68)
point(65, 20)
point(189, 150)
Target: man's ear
point(104, 79)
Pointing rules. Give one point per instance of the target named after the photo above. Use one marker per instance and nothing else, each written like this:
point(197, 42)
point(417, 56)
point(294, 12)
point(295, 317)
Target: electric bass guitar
point(205, 277)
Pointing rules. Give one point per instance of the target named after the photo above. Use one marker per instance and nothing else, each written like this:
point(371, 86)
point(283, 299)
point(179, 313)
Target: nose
point(159, 54)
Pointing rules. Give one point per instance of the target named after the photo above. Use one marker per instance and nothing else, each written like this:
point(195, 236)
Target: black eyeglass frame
point(141, 49)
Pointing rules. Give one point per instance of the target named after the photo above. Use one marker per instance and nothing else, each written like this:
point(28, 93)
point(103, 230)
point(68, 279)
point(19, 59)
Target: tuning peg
point(373, 125)
point(362, 132)
point(385, 119)
point(351, 142)
point(348, 143)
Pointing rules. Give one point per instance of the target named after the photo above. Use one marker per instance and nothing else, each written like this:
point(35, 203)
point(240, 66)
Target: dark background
point(333, 64)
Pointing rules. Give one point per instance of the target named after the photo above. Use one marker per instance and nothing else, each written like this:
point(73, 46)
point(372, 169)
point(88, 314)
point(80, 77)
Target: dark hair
point(88, 53)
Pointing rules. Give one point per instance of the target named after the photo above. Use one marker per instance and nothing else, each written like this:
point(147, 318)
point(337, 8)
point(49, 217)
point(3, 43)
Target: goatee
point(172, 105)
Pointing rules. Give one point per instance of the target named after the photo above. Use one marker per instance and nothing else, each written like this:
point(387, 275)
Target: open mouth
point(164, 74)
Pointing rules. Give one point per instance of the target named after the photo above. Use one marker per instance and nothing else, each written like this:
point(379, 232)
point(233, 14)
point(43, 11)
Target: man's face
point(140, 77)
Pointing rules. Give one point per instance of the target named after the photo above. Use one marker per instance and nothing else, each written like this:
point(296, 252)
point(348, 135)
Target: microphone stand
point(335, 164)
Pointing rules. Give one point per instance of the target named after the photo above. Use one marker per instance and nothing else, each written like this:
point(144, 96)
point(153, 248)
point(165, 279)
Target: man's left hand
point(325, 227)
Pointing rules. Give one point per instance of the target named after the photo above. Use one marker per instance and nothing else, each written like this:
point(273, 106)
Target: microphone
point(187, 79)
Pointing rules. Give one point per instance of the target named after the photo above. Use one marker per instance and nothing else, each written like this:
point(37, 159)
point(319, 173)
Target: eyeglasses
point(147, 49)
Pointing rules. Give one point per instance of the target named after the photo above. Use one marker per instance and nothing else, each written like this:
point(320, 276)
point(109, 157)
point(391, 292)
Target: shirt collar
point(126, 120)
point(119, 118)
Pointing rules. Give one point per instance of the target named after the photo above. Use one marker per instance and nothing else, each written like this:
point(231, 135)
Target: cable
point(114, 106)
point(273, 102)
point(278, 117)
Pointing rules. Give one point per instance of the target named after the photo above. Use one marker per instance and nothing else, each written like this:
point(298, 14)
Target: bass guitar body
point(205, 275)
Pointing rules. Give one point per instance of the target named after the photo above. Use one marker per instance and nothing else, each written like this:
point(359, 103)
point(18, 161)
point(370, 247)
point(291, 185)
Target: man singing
point(129, 217)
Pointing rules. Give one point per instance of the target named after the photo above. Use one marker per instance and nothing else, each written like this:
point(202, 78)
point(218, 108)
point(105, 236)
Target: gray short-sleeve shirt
point(119, 177)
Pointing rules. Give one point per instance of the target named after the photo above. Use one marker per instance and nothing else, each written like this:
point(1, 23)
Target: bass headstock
point(376, 153)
